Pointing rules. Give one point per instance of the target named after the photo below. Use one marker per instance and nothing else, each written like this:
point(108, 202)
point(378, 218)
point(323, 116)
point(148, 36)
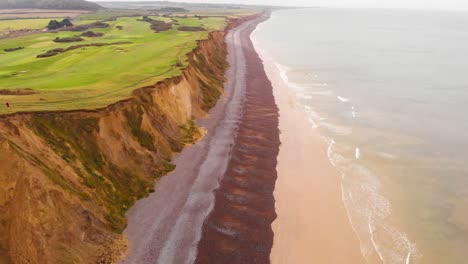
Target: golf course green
point(127, 56)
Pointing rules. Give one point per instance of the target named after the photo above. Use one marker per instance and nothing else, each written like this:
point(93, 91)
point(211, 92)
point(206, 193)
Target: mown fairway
point(17, 24)
point(93, 77)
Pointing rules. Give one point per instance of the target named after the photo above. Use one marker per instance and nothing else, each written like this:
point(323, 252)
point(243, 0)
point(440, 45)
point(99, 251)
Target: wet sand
point(167, 226)
point(312, 224)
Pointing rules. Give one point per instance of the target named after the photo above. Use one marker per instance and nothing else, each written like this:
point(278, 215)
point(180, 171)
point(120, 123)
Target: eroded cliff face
point(67, 178)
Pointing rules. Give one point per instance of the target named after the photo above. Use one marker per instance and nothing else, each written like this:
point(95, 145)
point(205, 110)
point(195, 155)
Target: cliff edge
point(67, 178)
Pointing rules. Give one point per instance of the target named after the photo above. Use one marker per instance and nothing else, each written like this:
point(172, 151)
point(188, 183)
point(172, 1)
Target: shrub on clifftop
point(54, 24)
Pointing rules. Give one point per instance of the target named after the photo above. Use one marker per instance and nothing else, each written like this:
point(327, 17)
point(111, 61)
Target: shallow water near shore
point(388, 93)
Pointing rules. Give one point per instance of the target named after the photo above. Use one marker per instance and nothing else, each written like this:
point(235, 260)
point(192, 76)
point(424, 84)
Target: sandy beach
point(312, 224)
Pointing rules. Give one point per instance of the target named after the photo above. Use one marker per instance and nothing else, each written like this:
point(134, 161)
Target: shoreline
point(312, 221)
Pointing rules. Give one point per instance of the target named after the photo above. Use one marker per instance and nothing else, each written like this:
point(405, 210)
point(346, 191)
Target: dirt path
point(167, 226)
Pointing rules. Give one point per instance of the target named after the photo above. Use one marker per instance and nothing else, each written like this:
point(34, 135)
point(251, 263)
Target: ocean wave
point(386, 155)
point(303, 87)
point(343, 99)
point(369, 212)
point(313, 114)
point(283, 70)
point(336, 129)
point(305, 96)
point(320, 92)
point(316, 84)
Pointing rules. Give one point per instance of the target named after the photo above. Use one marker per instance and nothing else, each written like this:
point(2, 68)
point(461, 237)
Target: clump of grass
point(13, 49)
point(166, 168)
point(191, 28)
point(211, 94)
point(67, 40)
point(91, 34)
point(190, 132)
point(134, 120)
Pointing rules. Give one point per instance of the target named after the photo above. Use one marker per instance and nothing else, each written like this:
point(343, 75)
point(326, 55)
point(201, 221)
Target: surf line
point(342, 99)
point(408, 258)
point(376, 247)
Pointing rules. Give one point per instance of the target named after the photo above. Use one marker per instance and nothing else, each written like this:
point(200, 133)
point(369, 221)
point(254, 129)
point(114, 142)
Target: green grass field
point(17, 24)
point(94, 77)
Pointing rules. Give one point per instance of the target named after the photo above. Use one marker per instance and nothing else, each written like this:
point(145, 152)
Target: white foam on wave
point(314, 115)
point(408, 258)
point(371, 231)
point(386, 155)
point(314, 84)
point(342, 99)
point(368, 211)
point(317, 84)
point(353, 112)
point(330, 149)
point(313, 123)
point(337, 129)
point(283, 72)
point(306, 96)
point(320, 92)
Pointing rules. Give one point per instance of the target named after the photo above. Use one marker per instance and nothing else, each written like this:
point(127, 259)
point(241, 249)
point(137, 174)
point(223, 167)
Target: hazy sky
point(418, 4)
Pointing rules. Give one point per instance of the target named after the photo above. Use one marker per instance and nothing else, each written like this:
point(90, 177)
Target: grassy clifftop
point(50, 4)
point(92, 76)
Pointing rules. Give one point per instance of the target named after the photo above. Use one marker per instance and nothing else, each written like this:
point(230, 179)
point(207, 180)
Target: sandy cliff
point(67, 178)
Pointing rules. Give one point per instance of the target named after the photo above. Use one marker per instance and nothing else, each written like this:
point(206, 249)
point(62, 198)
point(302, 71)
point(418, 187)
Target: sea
point(387, 90)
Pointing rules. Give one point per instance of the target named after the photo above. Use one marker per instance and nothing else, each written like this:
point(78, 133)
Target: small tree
point(66, 23)
point(53, 25)
point(147, 19)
